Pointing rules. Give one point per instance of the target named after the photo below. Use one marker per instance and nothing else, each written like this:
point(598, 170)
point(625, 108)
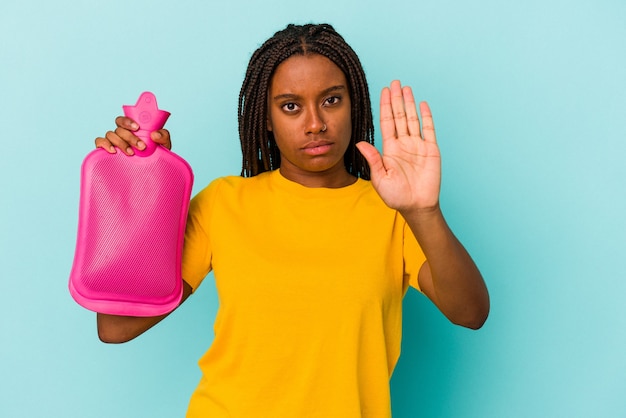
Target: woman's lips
point(317, 147)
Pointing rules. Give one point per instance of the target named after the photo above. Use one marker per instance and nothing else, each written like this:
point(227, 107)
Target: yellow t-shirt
point(310, 284)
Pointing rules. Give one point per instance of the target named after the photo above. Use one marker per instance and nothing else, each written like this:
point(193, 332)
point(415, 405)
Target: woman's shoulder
point(232, 183)
point(237, 182)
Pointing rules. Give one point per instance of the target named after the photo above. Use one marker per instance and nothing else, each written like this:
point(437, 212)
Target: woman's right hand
point(124, 138)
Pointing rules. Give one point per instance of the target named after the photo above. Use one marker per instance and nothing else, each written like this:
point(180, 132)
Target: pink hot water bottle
point(131, 224)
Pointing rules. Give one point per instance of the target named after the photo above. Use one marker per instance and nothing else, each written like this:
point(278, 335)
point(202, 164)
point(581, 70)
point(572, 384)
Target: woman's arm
point(407, 176)
point(449, 277)
point(120, 329)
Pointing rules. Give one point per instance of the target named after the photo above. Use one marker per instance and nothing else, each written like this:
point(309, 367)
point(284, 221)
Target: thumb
point(373, 158)
point(162, 136)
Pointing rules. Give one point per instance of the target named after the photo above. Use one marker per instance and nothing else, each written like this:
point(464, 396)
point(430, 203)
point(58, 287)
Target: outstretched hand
point(407, 175)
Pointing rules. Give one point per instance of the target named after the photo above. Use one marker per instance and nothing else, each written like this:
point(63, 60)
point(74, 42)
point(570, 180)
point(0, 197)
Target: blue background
point(529, 100)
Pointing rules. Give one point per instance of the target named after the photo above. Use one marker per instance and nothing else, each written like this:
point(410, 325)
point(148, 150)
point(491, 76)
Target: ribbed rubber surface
point(131, 229)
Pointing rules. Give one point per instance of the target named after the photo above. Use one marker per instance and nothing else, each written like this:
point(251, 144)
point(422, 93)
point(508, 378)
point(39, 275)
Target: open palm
point(407, 175)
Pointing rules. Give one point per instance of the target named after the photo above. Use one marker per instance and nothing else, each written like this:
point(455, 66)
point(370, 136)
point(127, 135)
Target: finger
point(387, 123)
point(373, 158)
point(399, 111)
point(428, 126)
point(119, 142)
point(130, 138)
point(105, 144)
point(162, 137)
point(413, 121)
point(126, 123)
point(125, 128)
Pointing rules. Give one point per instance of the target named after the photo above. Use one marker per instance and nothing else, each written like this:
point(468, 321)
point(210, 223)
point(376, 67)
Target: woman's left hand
point(407, 175)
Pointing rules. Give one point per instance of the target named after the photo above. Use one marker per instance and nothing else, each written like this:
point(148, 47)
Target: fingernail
point(156, 135)
point(134, 126)
point(129, 151)
point(141, 145)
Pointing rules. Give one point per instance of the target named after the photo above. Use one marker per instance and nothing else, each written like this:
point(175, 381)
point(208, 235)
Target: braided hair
point(259, 149)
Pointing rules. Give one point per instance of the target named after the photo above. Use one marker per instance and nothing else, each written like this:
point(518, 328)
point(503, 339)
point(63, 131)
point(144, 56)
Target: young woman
point(312, 258)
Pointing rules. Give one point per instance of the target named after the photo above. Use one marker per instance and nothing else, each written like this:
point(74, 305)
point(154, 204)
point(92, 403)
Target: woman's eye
point(290, 107)
point(333, 100)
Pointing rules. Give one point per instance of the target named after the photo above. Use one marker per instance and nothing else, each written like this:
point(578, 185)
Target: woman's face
point(309, 115)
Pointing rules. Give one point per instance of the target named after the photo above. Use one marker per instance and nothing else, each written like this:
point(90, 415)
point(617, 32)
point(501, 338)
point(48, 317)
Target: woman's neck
point(332, 179)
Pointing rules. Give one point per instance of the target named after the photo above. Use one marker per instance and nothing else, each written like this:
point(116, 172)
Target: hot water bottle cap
point(149, 117)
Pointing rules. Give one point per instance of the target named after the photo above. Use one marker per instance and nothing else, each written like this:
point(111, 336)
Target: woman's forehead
point(305, 72)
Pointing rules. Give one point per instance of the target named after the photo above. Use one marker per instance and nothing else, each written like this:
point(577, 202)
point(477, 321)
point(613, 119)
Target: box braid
point(258, 147)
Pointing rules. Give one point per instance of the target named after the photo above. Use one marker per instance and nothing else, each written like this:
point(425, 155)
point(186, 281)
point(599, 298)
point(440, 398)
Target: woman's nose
point(314, 122)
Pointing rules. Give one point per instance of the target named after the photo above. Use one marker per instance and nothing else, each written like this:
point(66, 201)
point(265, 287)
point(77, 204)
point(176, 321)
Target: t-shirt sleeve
point(197, 253)
point(413, 258)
